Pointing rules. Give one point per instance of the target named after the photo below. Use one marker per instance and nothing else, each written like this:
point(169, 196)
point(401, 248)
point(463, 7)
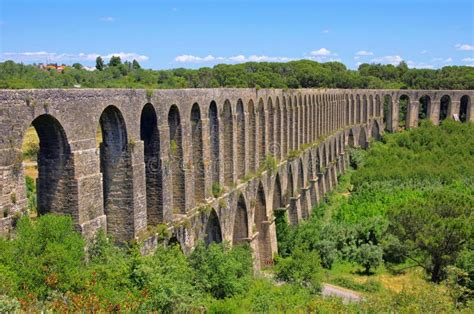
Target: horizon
point(186, 34)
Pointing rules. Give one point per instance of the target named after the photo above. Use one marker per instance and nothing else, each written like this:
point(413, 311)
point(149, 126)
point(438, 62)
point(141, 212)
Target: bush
point(368, 256)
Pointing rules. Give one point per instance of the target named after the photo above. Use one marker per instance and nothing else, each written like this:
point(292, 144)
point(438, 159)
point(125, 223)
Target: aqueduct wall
point(195, 159)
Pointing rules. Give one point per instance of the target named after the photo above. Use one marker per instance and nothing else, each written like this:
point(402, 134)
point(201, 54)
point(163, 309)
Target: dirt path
point(346, 294)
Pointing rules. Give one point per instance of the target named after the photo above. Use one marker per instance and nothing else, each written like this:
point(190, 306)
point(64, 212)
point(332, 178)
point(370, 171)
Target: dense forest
point(294, 74)
point(403, 214)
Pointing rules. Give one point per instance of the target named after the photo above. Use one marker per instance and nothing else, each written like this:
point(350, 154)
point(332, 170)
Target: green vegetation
point(399, 230)
point(294, 74)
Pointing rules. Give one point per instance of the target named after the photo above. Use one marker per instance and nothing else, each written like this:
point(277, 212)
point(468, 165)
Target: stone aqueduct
point(165, 155)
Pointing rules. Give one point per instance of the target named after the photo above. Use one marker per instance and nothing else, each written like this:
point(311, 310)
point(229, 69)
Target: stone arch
point(364, 108)
point(305, 120)
point(276, 145)
point(358, 118)
point(311, 176)
point(284, 128)
point(362, 138)
point(213, 229)
point(378, 105)
point(252, 135)
point(55, 168)
point(271, 124)
point(150, 136)
point(300, 122)
point(425, 108)
point(240, 144)
point(115, 165)
point(371, 106)
point(261, 131)
point(197, 153)
point(348, 110)
point(277, 194)
point(264, 251)
point(465, 109)
point(375, 131)
point(228, 150)
point(176, 160)
point(291, 125)
point(444, 107)
point(241, 228)
point(353, 109)
point(403, 107)
point(214, 141)
point(301, 186)
point(350, 139)
point(290, 190)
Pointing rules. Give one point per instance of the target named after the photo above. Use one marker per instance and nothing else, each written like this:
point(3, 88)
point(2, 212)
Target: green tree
point(135, 65)
point(115, 61)
point(435, 229)
point(99, 63)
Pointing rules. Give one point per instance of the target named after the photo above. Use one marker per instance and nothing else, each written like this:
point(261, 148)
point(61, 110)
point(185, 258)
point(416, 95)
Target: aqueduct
point(211, 164)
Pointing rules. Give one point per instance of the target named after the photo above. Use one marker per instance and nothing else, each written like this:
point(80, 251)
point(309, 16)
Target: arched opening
point(214, 141)
point(306, 120)
point(444, 107)
point(312, 192)
point(241, 230)
point(284, 128)
point(276, 145)
point(388, 113)
point(198, 153)
point(271, 126)
point(291, 125)
point(371, 106)
point(252, 135)
point(364, 109)
point(376, 131)
point(115, 164)
point(348, 111)
point(240, 144)
point(362, 138)
point(292, 213)
point(378, 106)
point(424, 110)
point(150, 136)
point(465, 109)
point(47, 158)
point(353, 110)
point(264, 250)
point(300, 122)
point(358, 109)
point(300, 187)
point(277, 195)
point(228, 144)
point(403, 104)
point(213, 229)
point(350, 139)
point(176, 160)
point(261, 130)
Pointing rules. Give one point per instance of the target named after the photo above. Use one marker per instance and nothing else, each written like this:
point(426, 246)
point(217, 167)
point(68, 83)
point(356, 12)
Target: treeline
point(294, 74)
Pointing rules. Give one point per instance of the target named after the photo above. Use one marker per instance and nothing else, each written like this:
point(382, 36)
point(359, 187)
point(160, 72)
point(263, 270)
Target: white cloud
point(325, 31)
point(395, 60)
point(321, 52)
point(107, 19)
point(364, 53)
point(468, 59)
point(419, 65)
point(232, 59)
point(448, 60)
point(43, 56)
point(464, 47)
point(423, 52)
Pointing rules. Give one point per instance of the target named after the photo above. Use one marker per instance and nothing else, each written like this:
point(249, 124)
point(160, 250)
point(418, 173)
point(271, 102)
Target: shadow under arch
point(241, 229)
point(55, 168)
point(213, 229)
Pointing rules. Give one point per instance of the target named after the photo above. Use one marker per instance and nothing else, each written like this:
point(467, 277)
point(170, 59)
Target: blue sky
point(165, 34)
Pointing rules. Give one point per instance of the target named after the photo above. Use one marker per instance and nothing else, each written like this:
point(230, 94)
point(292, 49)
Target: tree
point(115, 61)
point(368, 256)
point(77, 66)
point(99, 63)
point(135, 65)
point(435, 229)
